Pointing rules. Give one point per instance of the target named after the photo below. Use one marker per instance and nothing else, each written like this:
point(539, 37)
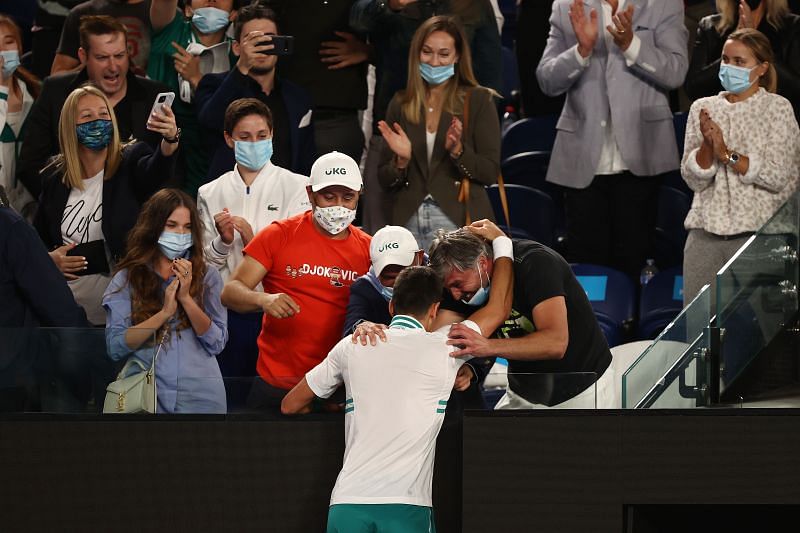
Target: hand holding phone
point(282, 45)
point(161, 118)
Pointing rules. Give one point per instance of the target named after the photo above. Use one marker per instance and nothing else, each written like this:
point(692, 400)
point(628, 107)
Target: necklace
point(430, 110)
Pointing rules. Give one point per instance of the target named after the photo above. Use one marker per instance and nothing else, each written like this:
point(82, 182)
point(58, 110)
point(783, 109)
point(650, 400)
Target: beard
point(261, 71)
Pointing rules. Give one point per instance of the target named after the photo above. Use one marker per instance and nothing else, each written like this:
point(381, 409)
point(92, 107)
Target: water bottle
point(648, 272)
point(509, 117)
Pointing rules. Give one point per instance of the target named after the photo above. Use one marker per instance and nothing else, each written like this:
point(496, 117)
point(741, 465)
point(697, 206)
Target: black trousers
point(612, 221)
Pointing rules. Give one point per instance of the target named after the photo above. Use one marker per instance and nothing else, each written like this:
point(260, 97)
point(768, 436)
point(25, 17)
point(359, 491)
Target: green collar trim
point(405, 322)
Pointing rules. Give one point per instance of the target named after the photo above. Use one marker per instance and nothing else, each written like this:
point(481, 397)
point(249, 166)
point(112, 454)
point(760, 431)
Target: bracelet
point(458, 156)
point(173, 140)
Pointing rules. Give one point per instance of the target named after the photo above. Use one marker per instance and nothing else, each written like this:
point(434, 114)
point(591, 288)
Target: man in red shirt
point(306, 264)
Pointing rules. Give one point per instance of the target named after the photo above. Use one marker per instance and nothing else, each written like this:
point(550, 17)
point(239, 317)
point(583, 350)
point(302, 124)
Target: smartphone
point(284, 45)
point(162, 99)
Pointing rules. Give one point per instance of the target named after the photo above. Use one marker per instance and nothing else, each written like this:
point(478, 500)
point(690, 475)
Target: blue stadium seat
point(660, 302)
point(527, 168)
point(612, 295)
point(674, 179)
point(670, 235)
point(533, 134)
point(531, 211)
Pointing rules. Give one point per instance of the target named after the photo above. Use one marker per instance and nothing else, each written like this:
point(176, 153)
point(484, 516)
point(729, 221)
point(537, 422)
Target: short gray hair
point(458, 250)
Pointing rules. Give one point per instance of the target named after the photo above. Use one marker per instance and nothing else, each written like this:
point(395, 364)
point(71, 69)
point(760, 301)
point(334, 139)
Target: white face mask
point(334, 219)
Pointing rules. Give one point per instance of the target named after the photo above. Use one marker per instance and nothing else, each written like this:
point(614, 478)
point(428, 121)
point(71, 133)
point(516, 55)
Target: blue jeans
point(427, 220)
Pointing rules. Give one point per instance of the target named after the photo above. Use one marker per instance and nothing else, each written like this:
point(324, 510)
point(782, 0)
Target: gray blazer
point(480, 162)
point(634, 96)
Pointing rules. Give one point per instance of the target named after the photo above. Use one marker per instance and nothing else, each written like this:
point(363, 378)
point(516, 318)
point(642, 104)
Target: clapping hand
point(397, 140)
point(452, 141)
point(712, 136)
point(745, 16)
point(586, 29)
point(622, 29)
point(182, 268)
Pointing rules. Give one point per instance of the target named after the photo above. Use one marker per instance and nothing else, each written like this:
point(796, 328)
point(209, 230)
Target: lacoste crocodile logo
point(271, 207)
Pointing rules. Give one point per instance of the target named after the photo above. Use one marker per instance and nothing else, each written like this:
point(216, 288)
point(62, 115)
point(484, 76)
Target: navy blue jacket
point(216, 91)
point(33, 291)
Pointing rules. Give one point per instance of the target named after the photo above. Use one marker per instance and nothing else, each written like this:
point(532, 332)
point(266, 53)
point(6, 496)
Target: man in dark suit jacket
point(254, 77)
point(104, 55)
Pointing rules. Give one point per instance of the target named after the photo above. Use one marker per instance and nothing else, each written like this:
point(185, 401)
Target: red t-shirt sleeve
point(265, 244)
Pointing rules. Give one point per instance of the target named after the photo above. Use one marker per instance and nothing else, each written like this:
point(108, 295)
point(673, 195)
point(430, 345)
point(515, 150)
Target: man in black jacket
point(104, 56)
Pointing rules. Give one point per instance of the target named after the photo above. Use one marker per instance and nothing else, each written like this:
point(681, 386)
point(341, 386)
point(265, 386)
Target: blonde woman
point(741, 159)
point(428, 150)
point(18, 89)
point(92, 191)
point(772, 18)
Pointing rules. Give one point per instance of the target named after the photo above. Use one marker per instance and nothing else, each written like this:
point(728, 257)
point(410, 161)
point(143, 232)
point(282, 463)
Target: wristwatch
point(733, 158)
point(173, 140)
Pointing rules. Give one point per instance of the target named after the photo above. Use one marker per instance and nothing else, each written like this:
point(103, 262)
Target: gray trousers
point(703, 256)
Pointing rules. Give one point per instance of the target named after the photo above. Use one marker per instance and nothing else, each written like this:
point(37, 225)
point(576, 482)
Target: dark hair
point(415, 290)
point(243, 107)
point(147, 298)
point(99, 25)
point(252, 12)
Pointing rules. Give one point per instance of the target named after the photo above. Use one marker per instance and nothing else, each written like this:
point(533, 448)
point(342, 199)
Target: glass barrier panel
point(58, 370)
point(665, 370)
point(757, 291)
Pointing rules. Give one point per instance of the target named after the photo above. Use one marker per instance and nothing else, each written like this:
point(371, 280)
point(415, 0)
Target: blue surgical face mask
point(174, 245)
point(735, 79)
point(436, 75)
point(253, 155)
point(11, 62)
point(387, 292)
point(210, 19)
point(481, 296)
point(96, 134)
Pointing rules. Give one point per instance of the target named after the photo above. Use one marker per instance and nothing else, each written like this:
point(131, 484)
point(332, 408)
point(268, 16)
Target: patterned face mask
point(96, 134)
point(334, 219)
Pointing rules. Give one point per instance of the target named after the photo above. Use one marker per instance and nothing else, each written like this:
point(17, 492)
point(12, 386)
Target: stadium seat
point(670, 235)
point(531, 211)
point(612, 296)
point(674, 179)
point(527, 168)
point(660, 302)
point(533, 134)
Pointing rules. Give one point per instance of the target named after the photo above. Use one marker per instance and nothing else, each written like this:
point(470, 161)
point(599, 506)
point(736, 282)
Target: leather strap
point(463, 193)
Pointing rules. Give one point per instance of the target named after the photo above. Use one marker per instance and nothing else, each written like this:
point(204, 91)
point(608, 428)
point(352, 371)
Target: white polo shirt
point(397, 393)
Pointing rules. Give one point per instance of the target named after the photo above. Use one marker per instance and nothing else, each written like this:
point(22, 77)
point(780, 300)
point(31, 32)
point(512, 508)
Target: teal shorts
point(380, 518)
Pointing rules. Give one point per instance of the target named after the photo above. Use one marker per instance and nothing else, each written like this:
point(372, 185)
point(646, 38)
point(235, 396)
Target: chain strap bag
point(137, 392)
point(463, 192)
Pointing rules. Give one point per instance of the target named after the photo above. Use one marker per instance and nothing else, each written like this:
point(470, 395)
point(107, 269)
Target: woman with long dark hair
point(93, 189)
point(429, 152)
point(163, 285)
point(18, 89)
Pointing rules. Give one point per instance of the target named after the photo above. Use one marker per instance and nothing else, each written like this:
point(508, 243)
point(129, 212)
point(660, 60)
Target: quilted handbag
point(135, 393)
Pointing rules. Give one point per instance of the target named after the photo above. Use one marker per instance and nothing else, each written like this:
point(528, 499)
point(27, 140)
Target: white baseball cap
point(335, 168)
point(392, 245)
